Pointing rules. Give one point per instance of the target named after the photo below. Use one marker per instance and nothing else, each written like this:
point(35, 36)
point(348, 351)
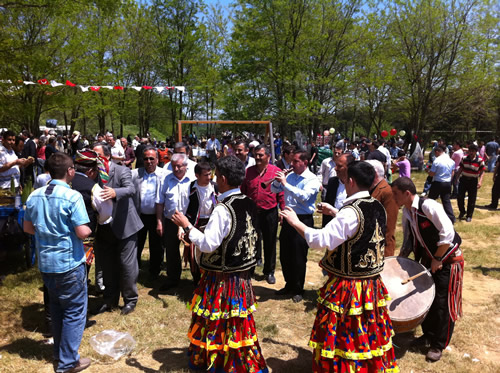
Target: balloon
point(326, 133)
point(384, 133)
point(332, 131)
point(402, 133)
point(393, 132)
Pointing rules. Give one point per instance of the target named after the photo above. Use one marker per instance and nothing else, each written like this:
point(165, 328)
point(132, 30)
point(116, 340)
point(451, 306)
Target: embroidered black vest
point(84, 185)
point(362, 255)
point(237, 251)
point(430, 236)
point(193, 209)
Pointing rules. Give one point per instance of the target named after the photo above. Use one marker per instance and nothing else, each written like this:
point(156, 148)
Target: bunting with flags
point(95, 88)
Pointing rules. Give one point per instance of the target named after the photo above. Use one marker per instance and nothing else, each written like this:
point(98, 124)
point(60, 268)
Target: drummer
point(436, 245)
point(352, 330)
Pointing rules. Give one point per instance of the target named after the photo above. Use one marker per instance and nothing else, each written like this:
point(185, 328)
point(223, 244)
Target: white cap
point(253, 144)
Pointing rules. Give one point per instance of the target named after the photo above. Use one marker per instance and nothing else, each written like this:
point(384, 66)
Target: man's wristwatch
point(188, 228)
point(438, 258)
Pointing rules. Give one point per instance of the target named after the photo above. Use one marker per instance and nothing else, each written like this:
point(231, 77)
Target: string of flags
point(94, 88)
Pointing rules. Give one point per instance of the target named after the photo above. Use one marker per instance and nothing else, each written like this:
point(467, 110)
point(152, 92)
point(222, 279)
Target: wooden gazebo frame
point(269, 128)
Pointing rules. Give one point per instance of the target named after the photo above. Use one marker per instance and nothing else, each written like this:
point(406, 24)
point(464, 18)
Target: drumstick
point(413, 277)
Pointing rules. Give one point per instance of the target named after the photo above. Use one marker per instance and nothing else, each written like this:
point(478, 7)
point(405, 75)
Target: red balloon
point(384, 133)
point(393, 132)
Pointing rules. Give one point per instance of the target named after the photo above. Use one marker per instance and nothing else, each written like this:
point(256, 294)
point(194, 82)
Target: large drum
point(410, 302)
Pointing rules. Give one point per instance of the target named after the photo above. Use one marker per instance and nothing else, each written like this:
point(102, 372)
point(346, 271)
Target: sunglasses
point(149, 159)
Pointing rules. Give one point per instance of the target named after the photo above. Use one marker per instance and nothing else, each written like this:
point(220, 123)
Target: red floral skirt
point(352, 331)
point(222, 332)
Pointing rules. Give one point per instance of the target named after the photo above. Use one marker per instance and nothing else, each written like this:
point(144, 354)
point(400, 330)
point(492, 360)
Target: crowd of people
point(96, 202)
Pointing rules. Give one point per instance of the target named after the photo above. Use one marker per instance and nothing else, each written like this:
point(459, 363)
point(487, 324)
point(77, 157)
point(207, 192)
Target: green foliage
point(361, 67)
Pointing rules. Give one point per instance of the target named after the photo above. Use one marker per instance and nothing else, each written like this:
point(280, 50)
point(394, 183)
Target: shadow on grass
point(171, 359)
point(302, 363)
point(264, 294)
point(27, 348)
point(494, 272)
point(33, 318)
point(183, 291)
point(402, 343)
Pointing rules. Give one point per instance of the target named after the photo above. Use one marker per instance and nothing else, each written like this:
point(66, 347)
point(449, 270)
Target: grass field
point(160, 322)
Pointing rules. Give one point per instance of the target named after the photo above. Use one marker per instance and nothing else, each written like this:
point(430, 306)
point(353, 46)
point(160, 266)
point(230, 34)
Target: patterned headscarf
point(88, 157)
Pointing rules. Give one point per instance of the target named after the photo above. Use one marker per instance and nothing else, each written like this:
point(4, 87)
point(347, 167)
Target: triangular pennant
point(147, 87)
point(28, 82)
point(181, 88)
point(68, 83)
point(107, 86)
point(159, 89)
point(167, 88)
point(95, 88)
point(53, 83)
point(43, 81)
point(118, 87)
point(137, 88)
point(84, 89)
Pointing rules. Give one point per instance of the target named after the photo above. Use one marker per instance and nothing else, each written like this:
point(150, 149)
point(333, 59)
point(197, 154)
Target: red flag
point(70, 84)
point(118, 87)
point(147, 87)
point(95, 89)
point(169, 87)
point(43, 81)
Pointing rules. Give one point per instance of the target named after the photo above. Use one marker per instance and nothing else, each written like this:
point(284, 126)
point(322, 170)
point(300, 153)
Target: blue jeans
point(68, 307)
point(491, 162)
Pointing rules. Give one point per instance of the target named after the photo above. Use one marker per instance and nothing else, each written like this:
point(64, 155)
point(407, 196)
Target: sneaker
point(434, 354)
point(297, 298)
point(469, 219)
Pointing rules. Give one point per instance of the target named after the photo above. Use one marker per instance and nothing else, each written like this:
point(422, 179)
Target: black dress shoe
point(283, 291)
point(128, 308)
point(104, 308)
point(90, 323)
point(297, 298)
point(461, 216)
point(271, 280)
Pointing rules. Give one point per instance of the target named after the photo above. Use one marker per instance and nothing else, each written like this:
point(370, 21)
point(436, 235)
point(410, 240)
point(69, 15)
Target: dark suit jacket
point(383, 193)
point(126, 221)
point(331, 196)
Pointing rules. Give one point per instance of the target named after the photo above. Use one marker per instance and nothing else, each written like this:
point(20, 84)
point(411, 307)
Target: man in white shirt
point(147, 180)
point(213, 147)
point(182, 148)
point(9, 162)
point(172, 196)
point(327, 170)
point(241, 151)
point(457, 156)
point(117, 152)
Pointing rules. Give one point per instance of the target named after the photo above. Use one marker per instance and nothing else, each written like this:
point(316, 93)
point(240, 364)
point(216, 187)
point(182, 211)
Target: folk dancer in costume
point(222, 332)
point(202, 200)
point(352, 330)
point(429, 233)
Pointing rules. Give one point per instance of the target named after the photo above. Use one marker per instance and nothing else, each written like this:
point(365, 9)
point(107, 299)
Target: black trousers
point(438, 326)
point(467, 185)
point(443, 190)
point(495, 192)
point(119, 265)
point(171, 243)
point(293, 255)
point(267, 227)
point(155, 245)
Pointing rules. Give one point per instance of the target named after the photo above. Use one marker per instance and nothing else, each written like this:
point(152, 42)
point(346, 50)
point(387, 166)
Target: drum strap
point(455, 290)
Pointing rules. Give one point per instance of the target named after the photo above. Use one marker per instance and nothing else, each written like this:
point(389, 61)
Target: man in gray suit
point(146, 181)
point(116, 242)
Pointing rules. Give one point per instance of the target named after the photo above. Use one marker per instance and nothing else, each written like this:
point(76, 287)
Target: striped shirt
point(472, 167)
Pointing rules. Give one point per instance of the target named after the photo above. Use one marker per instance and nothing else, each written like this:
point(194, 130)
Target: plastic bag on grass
point(112, 343)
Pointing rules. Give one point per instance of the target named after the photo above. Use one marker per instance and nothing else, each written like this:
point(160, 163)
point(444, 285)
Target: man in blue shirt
point(301, 188)
point(491, 150)
point(442, 170)
point(57, 216)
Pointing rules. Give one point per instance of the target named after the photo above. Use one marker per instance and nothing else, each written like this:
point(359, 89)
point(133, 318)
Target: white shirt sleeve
point(104, 208)
point(337, 231)
point(435, 213)
point(217, 228)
